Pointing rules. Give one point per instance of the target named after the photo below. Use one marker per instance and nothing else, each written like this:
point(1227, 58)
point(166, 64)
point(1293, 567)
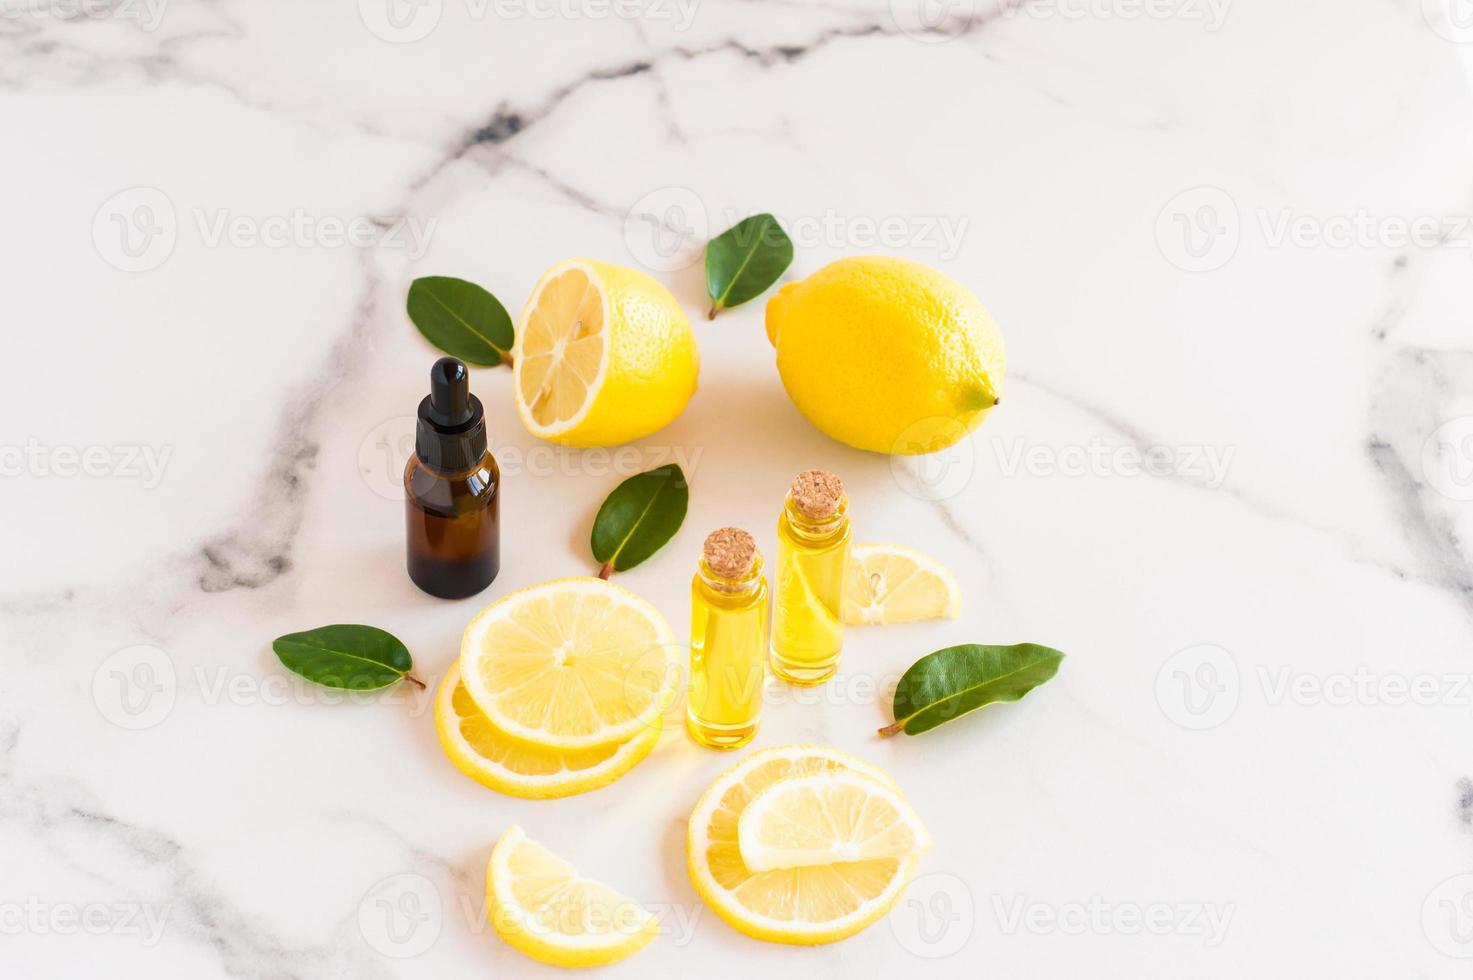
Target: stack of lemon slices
point(560, 689)
point(803, 844)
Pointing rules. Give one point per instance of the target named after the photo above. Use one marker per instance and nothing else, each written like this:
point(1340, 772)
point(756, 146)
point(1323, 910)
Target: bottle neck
point(807, 527)
point(453, 476)
point(450, 448)
point(742, 587)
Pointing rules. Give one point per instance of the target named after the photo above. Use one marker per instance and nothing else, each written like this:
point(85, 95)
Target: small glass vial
point(812, 560)
point(452, 491)
point(728, 641)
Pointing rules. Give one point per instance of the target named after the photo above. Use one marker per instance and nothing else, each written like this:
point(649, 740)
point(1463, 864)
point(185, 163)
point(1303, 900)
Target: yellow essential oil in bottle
point(812, 559)
point(728, 639)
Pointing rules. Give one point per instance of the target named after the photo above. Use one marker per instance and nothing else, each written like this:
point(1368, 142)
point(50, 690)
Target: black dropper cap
point(451, 435)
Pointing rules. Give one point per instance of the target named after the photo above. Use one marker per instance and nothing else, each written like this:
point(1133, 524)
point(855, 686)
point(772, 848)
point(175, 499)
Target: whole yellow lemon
point(886, 354)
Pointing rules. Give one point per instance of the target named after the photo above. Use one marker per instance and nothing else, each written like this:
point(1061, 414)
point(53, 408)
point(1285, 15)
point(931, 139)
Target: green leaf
point(745, 259)
point(638, 518)
point(347, 657)
point(461, 319)
point(951, 682)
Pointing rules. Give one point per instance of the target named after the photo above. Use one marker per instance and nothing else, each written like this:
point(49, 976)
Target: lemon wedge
point(508, 765)
point(574, 663)
point(889, 583)
point(807, 905)
point(604, 354)
point(540, 905)
point(827, 818)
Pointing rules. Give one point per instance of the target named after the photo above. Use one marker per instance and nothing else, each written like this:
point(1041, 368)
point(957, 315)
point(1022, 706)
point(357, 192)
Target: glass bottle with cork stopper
point(728, 641)
point(452, 490)
point(813, 542)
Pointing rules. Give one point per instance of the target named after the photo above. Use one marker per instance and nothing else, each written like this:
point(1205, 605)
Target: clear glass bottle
point(452, 505)
point(728, 641)
point(812, 559)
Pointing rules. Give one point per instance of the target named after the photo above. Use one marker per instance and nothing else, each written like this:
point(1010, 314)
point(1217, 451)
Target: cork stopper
point(730, 552)
point(817, 494)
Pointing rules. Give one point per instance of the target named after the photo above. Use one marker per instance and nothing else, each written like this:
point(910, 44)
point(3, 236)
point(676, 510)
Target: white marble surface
point(200, 433)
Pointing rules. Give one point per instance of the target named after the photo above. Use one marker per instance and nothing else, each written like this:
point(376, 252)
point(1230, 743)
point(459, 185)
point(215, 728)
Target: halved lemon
point(791, 905)
point(889, 583)
point(827, 818)
point(539, 904)
point(517, 768)
point(574, 663)
point(604, 354)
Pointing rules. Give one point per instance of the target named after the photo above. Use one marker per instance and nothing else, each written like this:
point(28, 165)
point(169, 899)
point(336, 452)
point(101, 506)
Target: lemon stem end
point(606, 571)
point(894, 729)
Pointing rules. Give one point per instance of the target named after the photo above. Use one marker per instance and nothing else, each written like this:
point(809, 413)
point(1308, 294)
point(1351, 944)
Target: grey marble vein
point(56, 814)
point(1354, 545)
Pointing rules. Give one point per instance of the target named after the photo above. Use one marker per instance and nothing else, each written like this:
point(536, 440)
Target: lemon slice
point(540, 905)
point(827, 818)
point(889, 583)
point(575, 663)
point(604, 354)
point(820, 904)
point(518, 768)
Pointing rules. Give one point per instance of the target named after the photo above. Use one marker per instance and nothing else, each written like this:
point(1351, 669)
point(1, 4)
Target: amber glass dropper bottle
point(452, 490)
